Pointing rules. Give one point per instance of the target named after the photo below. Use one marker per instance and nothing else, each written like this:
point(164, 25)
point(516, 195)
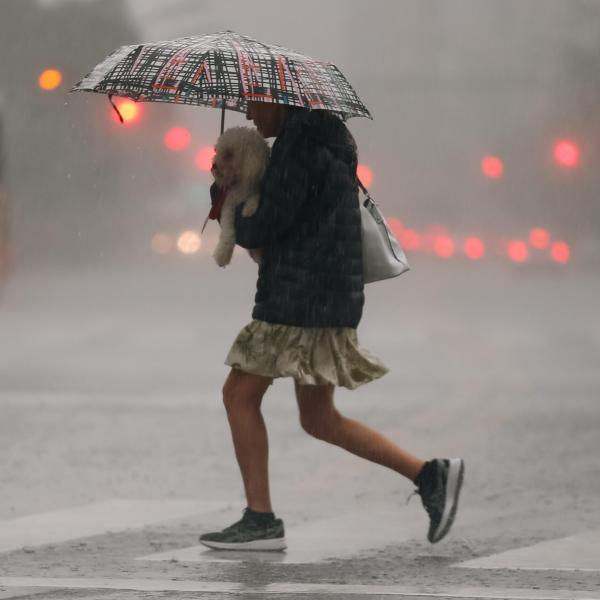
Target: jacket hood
point(322, 127)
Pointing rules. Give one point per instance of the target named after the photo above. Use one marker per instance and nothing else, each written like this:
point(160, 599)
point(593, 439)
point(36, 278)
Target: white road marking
point(93, 519)
point(336, 537)
point(579, 552)
point(229, 587)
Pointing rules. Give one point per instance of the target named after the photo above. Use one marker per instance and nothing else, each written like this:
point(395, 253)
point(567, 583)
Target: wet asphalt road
point(110, 384)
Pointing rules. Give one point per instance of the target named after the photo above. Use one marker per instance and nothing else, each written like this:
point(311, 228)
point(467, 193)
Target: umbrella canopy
point(223, 70)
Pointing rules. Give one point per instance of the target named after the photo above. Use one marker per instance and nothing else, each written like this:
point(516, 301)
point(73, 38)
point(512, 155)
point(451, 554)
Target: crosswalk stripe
point(93, 519)
point(579, 552)
point(335, 537)
point(225, 587)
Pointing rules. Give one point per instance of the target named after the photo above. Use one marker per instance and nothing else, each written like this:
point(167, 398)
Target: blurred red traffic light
point(539, 238)
point(474, 248)
point(566, 153)
point(396, 226)
point(443, 246)
point(177, 138)
point(130, 111)
point(410, 239)
point(517, 251)
point(204, 158)
point(560, 251)
point(492, 166)
point(365, 175)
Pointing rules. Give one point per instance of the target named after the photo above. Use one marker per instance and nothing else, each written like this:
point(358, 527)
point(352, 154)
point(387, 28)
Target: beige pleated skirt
point(311, 355)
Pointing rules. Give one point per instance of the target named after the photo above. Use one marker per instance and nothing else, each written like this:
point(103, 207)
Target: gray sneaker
point(439, 483)
point(247, 534)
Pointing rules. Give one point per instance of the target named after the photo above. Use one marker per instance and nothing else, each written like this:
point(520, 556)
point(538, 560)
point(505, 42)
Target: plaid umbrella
point(222, 70)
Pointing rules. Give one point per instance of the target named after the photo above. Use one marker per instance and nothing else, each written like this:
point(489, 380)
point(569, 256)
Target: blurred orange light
point(50, 79)
point(443, 246)
point(517, 251)
point(474, 248)
point(177, 138)
point(162, 243)
point(204, 158)
point(492, 166)
point(365, 175)
point(410, 239)
point(129, 109)
point(539, 238)
point(566, 153)
point(560, 251)
point(189, 242)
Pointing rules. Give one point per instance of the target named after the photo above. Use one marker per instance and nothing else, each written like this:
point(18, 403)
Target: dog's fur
point(240, 161)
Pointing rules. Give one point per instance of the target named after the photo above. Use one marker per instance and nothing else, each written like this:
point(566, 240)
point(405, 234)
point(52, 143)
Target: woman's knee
point(318, 414)
point(321, 424)
point(243, 390)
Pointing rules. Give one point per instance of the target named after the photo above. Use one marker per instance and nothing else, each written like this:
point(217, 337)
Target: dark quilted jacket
point(308, 226)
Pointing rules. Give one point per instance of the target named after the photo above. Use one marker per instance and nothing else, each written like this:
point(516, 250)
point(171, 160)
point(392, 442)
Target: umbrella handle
point(222, 128)
point(116, 109)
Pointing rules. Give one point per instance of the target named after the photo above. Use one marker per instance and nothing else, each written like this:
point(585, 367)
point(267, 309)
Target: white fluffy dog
point(240, 161)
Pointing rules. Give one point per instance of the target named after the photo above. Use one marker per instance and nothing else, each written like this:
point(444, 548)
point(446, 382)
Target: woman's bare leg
point(242, 396)
point(321, 419)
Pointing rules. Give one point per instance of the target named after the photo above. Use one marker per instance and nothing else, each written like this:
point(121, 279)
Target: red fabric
point(217, 203)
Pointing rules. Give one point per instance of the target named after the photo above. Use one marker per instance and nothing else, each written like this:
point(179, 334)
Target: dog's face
point(241, 154)
point(225, 167)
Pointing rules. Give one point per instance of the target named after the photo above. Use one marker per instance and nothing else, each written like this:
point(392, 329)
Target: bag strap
point(362, 187)
point(366, 193)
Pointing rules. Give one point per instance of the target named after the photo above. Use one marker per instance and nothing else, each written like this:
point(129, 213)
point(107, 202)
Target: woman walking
point(308, 304)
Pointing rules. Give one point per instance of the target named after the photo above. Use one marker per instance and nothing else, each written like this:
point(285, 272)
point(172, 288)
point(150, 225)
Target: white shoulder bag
point(383, 257)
